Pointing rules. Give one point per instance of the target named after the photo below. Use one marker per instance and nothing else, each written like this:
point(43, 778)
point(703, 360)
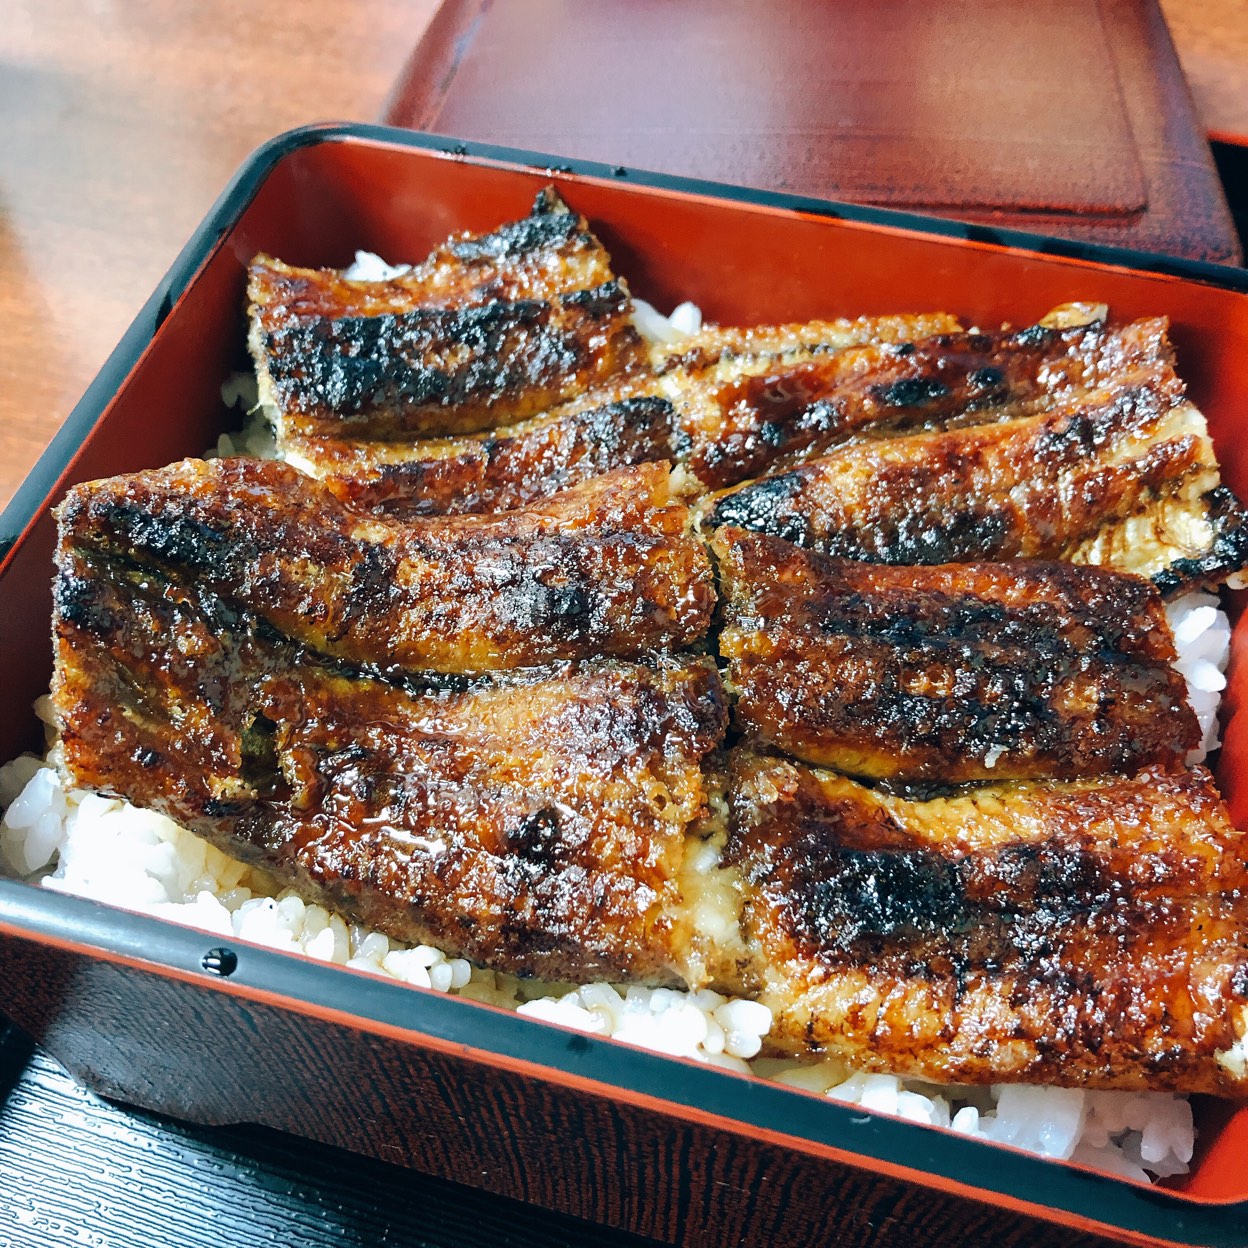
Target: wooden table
point(75, 1169)
point(123, 122)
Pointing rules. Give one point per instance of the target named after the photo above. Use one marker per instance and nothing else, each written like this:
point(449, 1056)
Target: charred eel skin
point(501, 469)
point(535, 821)
point(489, 329)
point(755, 421)
point(1087, 933)
point(1106, 464)
point(952, 673)
point(607, 569)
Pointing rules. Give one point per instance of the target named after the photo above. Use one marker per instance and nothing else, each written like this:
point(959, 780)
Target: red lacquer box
point(683, 1153)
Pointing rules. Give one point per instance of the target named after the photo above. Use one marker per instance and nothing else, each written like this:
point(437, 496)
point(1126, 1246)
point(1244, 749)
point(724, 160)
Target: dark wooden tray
point(77, 1169)
point(1072, 116)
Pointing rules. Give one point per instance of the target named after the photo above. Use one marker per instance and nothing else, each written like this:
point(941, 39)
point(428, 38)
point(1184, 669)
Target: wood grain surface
point(121, 124)
point(1212, 39)
point(77, 1169)
point(1065, 119)
point(960, 104)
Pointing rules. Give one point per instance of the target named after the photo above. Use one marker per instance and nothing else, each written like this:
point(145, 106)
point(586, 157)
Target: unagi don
point(476, 687)
point(213, 663)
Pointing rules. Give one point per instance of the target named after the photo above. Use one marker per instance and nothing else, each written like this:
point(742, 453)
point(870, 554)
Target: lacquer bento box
point(219, 1030)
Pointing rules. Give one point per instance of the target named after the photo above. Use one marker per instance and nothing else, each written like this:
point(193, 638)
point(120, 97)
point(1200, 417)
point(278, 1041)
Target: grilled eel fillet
point(952, 673)
point(638, 417)
point(488, 329)
point(1122, 474)
point(608, 569)
point(537, 821)
point(498, 470)
point(743, 412)
point(1088, 933)
point(741, 426)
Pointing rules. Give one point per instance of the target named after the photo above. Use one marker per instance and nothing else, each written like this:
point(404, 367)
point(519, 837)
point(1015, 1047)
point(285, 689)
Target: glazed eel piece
point(489, 329)
point(607, 569)
point(1122, 475)
point(952, 673)
point(552, 251)
point(1089, 934)
point(745, 425)
point(636, 417)
point(778, 396)
point(501, 469)
point(536, 821)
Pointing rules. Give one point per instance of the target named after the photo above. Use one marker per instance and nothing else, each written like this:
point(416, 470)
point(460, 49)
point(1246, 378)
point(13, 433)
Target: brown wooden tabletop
point(121, 125)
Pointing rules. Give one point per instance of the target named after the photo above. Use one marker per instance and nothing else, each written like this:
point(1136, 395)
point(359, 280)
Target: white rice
point(1202, 638)
point(654, 327)
point(81, 843)
point(91, 846)
point(371, 268)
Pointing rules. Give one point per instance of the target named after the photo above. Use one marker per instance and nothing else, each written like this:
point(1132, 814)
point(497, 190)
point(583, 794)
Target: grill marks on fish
point(537, 821)
point(953, 673)
point(609, 568)
point(501, 470)
point(674, 414)
point(1035, 487)
point(488, 329)
point(541, 821)
point(755, 422)
point(742, 412)
point(550, 252)
point(1085, 934)
point(1122, 475)
point(436, 722)
point(719, 350)
point(445, 370)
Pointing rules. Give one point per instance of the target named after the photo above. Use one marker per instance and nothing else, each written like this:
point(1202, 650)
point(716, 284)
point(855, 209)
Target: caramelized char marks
point(1087, 934)
point(437, 370)
point(1035, 487)
point(633, 421)
point(952, 673)
point(719, 348)
point(550, 252)
point(608, 568)
point(1207, 563)
point(496, 471)
point(536, 822)
point(758, 421)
